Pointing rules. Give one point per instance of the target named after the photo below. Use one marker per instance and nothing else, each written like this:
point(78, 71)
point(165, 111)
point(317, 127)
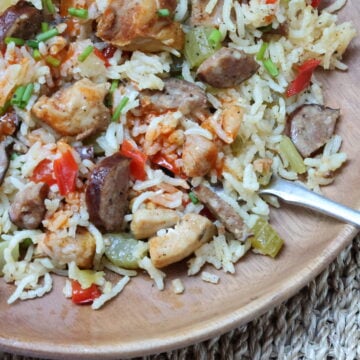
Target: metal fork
point(292, 193)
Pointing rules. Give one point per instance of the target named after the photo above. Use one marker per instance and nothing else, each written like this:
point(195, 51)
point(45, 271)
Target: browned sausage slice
point(21, 20)
point(177, 95)
point(224, 212)
point(107, 192)
point(28, 209)
point(227, 68)
point(4, 161)
point(311, 126)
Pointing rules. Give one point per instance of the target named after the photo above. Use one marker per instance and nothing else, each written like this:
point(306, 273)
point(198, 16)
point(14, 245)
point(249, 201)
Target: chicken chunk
point(28, 209)
point(199, 17)
point(80, 248)
point(199, 155)
point(147, 222)
point(77, 110)
point(136, 25)
point(189, 234)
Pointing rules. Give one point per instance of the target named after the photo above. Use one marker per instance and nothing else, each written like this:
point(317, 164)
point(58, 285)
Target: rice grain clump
point(108, 147)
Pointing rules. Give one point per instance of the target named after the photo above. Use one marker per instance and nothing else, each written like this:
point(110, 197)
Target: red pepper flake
point(109, 51)
point(303, 77)
point(315, 3)
point(101, 56)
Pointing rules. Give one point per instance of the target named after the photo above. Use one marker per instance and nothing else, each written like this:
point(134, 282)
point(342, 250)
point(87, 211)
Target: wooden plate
point(143, 320)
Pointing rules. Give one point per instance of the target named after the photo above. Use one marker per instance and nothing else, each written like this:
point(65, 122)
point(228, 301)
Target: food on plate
point(136, 134)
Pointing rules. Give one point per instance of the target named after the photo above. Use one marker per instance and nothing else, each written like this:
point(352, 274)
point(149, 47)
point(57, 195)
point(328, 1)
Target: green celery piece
point(197, 45)
point(124, 251)
point(265, 239)
point(289, 151)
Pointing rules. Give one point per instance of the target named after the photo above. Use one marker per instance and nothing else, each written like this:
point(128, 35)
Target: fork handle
point(295, 194)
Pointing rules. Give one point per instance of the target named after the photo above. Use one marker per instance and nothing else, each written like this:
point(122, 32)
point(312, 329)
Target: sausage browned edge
point(107, 193)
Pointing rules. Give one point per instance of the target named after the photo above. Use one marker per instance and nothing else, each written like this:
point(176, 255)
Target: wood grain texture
point(143, 320)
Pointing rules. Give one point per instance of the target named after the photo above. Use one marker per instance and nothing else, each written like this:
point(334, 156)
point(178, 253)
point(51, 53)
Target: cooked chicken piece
point(177, 94)
point(80, 249)
point(199, 17)
point(231, 118)
point(136, 25)
point(21, 20)
point(189, 234)
point(146, 222)
point(310, 126)
point(77, 110)
point(27, 210)
point(227, 68)
point(199, 155)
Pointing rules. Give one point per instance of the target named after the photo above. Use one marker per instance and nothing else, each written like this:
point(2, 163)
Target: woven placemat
point(321, 322)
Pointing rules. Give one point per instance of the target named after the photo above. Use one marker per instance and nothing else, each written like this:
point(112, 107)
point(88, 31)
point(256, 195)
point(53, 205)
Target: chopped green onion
point(261, 53)
point(44, 27)
point(114, 86)
point(193, 198)
point(36, 54)
point(215, 38)
point(163, 12)
point(47, 35)
point(4, 109)
point(265, 239)
point(83, 56)
point(15, 40)
point(49, 6)
point(52, 61)
point(290, 153)
point(120, 108)
point(79, 13)
point(19, 93)
point(33, 44)
point(27, 95)
point(271, 67)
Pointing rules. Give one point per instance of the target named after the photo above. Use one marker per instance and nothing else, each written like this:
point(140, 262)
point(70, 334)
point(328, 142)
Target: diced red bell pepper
point(163, 161)
point(101, 56)
point(138, 160)
point(43, 172)
point(315, 3)
point(109, 51)
point(271, 1)
point(66, 169)
point(303, 77)
point(84, 296)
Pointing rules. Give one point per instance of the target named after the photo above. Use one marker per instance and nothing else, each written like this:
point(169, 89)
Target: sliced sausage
point(28, 209)
point(224, 212)
point(177, 95)
point(107, 192)
point(4, 161)
point(8, 124)
point(21, 20)
point(199, 155)
point(189, 234)
point(80, 248)
point(136, 25)
point(227, 68)
point(77, 110)
point(311, 126)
